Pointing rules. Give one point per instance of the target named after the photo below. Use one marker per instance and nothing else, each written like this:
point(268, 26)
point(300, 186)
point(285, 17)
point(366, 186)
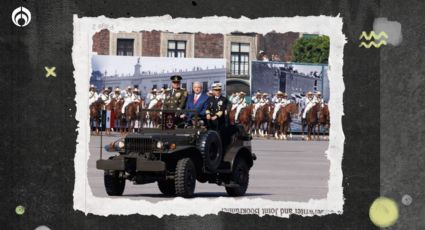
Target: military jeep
point(177, 154)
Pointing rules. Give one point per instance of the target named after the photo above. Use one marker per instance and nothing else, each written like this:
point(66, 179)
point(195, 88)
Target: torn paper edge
point(86, 27)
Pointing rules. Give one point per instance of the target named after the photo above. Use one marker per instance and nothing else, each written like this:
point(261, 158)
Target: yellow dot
point(383, 212)
point(20, 210)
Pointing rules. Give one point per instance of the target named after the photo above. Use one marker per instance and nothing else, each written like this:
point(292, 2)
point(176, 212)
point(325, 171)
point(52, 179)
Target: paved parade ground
point(292, 170)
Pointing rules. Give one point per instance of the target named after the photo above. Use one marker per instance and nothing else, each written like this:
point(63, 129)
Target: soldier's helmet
point(136, 90)
point(129, 88)
point(309, 93)
point(279, 93)
point(285, 95)
point(92, 87)
point(154, 91)
point(176, 78)
point(265, 95)
point(318, 93)
point(117, 90)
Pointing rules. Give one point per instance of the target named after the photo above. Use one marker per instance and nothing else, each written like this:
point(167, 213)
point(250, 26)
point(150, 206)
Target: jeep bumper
point(121, 164)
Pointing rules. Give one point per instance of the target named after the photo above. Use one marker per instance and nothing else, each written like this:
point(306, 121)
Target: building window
point(239, 58)
point(205, 86)
point(176, 49)
point(125, 47)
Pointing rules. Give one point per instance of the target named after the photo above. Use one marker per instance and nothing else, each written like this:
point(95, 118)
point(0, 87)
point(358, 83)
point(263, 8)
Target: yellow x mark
point(50, 71)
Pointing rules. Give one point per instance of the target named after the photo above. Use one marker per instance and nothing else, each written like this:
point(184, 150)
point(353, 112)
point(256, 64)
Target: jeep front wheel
point(114, 184)
point(185, 178)
point(239, 179)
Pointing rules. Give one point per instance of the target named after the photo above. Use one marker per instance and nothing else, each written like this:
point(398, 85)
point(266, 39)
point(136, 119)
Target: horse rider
point(241, 103)
point(319, 99)
point(104, 97)
point(281, 101)
point(265, 99)
point(116, 94)
point(128, 98)
point(216, 107)
point(93, 96)
point(136, 95)
point(235, 100)
point(153, 98)
point(256, 101)
point(308, 103)
point(177, 98)
point(161, 94)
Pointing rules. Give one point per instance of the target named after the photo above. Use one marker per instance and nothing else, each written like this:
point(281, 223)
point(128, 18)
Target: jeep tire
point(114, 185)
point(167, 187)
point(239, 178)
point(210, 146)
point(185, 178)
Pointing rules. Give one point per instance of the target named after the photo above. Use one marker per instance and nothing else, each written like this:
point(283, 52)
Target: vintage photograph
point(199, 115)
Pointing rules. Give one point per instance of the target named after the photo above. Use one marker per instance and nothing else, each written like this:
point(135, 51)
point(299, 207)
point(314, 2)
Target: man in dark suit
point(196, 101)
point(216, 107)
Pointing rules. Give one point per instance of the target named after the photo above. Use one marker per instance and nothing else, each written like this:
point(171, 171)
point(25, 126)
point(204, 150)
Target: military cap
point(216, 86)
point(318, 93)
point(176, 78)
point(117, 89)
point(279, 93)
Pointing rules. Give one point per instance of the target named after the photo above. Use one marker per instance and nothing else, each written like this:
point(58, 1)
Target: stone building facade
point(239, 49)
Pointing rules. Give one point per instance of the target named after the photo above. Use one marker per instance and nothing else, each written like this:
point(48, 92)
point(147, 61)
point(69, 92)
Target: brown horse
point(244, 117)
point(151, 119)
point(311, 120)
point(119, 122)
point(95, 114)
point(131, 113)
point(324, 119)
point(261, 119)
point(283, 120)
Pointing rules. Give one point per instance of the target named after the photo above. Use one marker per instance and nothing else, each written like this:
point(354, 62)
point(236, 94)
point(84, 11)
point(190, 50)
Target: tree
point(311, 49)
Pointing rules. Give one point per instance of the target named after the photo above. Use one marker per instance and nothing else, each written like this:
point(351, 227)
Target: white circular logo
point(21, 16)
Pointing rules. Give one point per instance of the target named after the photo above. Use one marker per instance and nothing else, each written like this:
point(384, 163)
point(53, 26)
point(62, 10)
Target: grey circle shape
point(42, 227)
point(406, 200)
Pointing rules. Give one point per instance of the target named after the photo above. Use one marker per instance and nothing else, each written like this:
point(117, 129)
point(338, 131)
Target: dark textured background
point(38, 134)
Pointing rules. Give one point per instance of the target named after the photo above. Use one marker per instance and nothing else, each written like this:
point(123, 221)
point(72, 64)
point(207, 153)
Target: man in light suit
point(196, 101)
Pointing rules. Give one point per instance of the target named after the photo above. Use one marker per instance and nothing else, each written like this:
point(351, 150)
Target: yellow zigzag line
point(372, 34)
point(372, 43)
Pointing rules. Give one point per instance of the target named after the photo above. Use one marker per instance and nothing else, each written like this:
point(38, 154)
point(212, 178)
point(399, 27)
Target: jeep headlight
point(159, 144)
point(120, 144)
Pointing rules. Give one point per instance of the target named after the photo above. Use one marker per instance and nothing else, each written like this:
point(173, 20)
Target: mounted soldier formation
point(265, 116)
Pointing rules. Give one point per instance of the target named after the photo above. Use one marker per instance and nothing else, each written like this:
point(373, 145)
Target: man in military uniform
point(216, 107)
point(319, 99)
point(256, 99)
point(177, 98)
point(104, 97)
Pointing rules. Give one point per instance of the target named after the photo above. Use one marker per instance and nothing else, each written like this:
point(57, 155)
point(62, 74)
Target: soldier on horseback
point(93, 96)
point(256, 100)
point(104, 97)
point(136, 95)
point(154, 98)
point(116, 94)
point(280, 102)
point(128, 98)
point(240, 104)
point(308, 102)
point(319, 99)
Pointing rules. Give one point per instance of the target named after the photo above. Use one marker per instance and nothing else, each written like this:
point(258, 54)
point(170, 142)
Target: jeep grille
point(139, 145)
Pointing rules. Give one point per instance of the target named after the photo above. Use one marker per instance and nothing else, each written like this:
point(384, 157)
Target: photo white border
point(86, 27)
